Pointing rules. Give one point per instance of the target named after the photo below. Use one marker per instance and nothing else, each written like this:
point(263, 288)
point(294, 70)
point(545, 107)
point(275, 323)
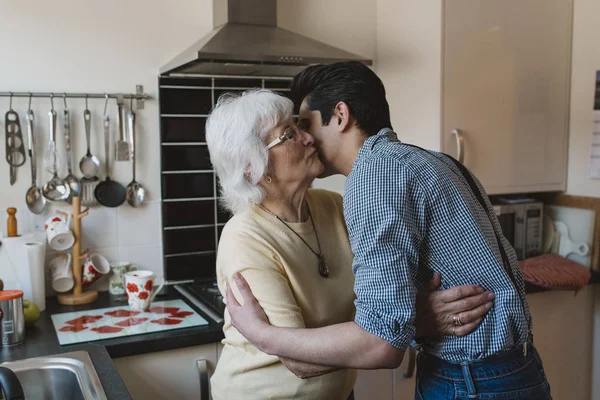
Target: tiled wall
point(119, 234)
point(188, 221)
point(191, 217)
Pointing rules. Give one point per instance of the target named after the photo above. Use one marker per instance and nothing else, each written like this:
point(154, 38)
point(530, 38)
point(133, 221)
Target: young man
point(409, 212)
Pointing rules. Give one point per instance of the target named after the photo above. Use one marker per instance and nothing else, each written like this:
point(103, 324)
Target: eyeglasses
point(288, 134)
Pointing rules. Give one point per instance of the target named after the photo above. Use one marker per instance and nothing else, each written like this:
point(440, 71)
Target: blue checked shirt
point(411, 212)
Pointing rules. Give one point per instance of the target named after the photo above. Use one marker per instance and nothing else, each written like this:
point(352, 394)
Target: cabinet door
point(404, 376)
point(506, 70)
point(386, 384)
point(374, 384)
point(563, 335)
point(171, 374)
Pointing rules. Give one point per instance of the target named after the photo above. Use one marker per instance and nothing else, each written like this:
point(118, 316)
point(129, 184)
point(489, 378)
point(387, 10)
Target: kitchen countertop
point(41, 340)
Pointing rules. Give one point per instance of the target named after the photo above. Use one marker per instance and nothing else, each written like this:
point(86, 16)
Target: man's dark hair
point(325, 85)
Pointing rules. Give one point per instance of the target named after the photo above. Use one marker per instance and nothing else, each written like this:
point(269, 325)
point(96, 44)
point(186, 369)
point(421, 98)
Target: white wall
point(585, 63)
point(83, 46)
point(110, 47)
point(347, 24)
point(409, 63)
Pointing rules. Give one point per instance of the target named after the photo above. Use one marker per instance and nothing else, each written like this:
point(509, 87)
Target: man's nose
point(307, 138)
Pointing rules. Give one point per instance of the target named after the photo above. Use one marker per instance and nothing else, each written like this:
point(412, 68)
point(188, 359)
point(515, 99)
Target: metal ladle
point(135, 192)
point(70, 180)
point(55, 189)
point(89, 164)
point(34, 198)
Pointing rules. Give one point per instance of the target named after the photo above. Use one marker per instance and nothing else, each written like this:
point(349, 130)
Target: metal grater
point(87, 191)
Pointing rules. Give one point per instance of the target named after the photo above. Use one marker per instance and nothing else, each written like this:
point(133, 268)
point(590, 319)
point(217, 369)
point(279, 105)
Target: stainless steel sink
point(66, 376)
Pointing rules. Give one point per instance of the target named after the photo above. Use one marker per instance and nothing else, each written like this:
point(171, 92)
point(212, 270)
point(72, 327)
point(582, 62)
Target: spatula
point(122, 145)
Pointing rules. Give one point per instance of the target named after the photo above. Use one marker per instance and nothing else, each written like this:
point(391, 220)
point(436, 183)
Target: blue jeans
point(511, 375)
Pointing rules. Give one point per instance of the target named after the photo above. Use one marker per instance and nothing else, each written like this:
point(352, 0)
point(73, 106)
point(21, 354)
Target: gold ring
point(456, 319)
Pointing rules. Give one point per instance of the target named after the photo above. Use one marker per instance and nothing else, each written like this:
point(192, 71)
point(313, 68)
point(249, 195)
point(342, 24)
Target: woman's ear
point(342, 116)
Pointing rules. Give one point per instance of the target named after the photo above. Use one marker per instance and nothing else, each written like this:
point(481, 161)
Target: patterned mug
point(116, 277)
point(139, 287)
point(58, 230)
point(94, 267)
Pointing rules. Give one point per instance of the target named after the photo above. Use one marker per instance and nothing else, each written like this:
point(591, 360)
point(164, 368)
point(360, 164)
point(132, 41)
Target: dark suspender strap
point(507, 267)
point(477, 193)
point(469, 178)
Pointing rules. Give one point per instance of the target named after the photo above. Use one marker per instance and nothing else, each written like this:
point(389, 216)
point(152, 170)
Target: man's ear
point(343, 118)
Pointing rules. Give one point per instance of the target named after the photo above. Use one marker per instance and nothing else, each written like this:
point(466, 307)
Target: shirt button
point(396, 327)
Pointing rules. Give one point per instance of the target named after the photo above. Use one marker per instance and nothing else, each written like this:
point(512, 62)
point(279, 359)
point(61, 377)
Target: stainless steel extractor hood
point(251, 44)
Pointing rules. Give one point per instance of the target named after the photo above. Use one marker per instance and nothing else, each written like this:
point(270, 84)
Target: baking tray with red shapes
point(112, 322)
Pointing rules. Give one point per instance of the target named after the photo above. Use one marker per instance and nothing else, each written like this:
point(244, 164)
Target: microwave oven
point(521, 225)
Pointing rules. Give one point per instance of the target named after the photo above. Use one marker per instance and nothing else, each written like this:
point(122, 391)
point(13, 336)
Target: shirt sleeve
point(262, 269)
point(384, 207)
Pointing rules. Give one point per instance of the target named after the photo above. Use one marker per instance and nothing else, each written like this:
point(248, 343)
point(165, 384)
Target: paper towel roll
point(22, 266)
point(36, 254)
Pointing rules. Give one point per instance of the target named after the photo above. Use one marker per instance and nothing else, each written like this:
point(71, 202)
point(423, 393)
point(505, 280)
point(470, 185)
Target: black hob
point(206, 296)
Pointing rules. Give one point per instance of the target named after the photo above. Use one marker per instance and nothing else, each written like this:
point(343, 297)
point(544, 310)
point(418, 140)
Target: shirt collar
point(371, 140)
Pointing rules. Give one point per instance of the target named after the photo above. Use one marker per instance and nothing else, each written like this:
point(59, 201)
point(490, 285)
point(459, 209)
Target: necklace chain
point(323, 269)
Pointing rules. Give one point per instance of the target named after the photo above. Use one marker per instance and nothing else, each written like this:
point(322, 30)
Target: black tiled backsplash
point(189, 240)
point(185, 101)
point(222, 214)
point(185, 158)
point(238, 82)
point(219, 92)
point(192, 218)
point(194, 266)
point(187, 186)
point(188, 213)
point(183, 129)
point(277, 84)
point(185, 81)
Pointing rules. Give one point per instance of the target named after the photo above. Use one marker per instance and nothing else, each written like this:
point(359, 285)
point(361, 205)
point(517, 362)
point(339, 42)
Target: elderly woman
point(290, 243)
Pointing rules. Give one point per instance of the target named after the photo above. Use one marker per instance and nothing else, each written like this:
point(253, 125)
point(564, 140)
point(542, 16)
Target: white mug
point(58, 229)
point(62, 273)
point(139, 286)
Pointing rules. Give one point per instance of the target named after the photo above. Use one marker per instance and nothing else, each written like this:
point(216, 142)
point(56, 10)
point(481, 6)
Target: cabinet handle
point(460, 144)
point(203, 373)
point(410, 368)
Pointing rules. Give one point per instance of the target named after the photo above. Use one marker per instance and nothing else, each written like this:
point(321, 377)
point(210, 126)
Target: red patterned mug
point(139, 286)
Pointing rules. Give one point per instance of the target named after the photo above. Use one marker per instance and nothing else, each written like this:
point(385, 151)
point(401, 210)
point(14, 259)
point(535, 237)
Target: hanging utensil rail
point(140, 96)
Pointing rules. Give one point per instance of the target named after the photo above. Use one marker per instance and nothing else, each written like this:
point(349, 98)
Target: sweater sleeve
point(261, 267)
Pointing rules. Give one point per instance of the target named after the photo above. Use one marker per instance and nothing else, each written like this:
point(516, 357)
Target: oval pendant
point(323, 269)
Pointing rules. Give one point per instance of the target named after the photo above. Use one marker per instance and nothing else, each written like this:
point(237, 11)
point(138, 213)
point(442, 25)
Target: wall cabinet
point(505, 89)
point(171, 374)
point(496, 72)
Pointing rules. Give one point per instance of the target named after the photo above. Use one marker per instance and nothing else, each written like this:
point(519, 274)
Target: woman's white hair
point(235, 133)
